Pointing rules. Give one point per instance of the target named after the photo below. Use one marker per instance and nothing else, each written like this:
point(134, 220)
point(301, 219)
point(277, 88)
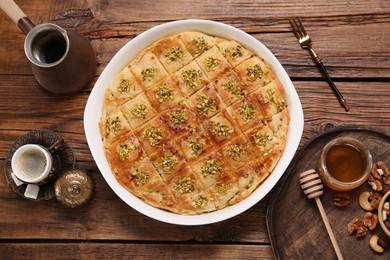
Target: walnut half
point(370, 220)
point(341, 199)
point(358, 226)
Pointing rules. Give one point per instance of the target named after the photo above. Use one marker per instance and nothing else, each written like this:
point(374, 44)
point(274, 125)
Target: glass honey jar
point(344, 164)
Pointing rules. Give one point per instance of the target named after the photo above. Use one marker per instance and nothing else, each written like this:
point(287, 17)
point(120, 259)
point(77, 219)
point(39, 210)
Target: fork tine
point(302, 28)
point(296, 29)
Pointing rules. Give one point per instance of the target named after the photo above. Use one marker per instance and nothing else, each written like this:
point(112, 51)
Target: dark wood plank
point(167, 10)
point(133, 251)
point(110, 26)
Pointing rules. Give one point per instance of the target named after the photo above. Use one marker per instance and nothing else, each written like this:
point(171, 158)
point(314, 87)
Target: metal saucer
point(45, 138)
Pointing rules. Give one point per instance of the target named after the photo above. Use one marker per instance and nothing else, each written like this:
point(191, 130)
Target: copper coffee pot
point(63, 62)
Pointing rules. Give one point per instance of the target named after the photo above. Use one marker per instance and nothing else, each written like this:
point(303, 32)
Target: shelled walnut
point(341, 199)
point(368, 222)
point(358, 226)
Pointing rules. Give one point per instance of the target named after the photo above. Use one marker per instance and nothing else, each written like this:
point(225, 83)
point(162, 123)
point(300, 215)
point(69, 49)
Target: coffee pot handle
point(17, 15)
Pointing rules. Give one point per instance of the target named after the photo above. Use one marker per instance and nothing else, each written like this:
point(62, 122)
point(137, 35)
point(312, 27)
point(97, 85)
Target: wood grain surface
point(351, 37)
point(303, 238)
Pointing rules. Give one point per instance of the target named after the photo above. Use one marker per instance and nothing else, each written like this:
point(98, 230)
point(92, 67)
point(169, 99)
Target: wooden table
point(352, 37)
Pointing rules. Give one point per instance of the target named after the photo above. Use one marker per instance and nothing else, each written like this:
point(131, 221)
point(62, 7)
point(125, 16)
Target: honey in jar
point(344, 164)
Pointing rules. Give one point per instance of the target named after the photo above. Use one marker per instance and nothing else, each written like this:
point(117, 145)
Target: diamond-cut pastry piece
point(217, 177)
point(172, 53)
point(153, 135)
point(268, 147)
point(254, 73)
point(210, 168)
point(164, 94)
point(248, 179)
point(206, 102)
point(138, 110)
point(197, 42)
point(270, 99)
point(148, 70)
point(233, 51)
point(190, 194)
point(213, 63)
point(246, 113)
point(279, 124)
point(180, 119)
point(224, 190)
point(238, 151)
point(113, 123)
point(169, 160)
point(221, 127)
point(124, 86)
point(190, 78)
point(195, 144)
point(230, 88)
point(262, 138)
point(270, 160)
point(124, 151)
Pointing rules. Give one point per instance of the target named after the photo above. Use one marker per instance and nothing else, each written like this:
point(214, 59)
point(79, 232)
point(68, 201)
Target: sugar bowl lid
point(73, 188)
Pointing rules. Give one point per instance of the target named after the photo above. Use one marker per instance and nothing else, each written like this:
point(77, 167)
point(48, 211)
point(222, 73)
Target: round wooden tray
point(294, 222)
point(45, 138)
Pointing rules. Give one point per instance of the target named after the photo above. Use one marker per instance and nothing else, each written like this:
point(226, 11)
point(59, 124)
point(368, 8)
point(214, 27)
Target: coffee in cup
point(33, 163)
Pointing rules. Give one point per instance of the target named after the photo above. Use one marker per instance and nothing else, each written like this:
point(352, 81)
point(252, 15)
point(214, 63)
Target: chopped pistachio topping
point(196, 146)
point(139, 111)
point(200, 202)
point(164, 94)
point(178, 117)
point(233, 87)
point(125, 149)
point(140, 177)
point(261, 139)
point(211, 62)
point(112, 124)
point(200, 44)
point(221, 129)
point(278, 102)
point(149, 73)
point(210, 167)
point(124, 86)
point(175, 53)
point(236, 152)
point(154, 135)
point(205, 104)
point(168, 162)
point(184, 185)
point(280, 105)
point(254, 72)
point(270, 96)
point(190, 77)
point(247, 111)
point(223, 188)
point(236, 51)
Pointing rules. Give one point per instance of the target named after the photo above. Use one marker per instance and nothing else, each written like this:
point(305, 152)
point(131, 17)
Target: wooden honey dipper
point(311, 185)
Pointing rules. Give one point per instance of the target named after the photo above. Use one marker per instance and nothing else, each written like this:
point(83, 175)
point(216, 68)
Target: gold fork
point(305, 42)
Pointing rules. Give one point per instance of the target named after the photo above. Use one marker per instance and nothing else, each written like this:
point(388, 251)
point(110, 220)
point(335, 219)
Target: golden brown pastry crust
point(194, 123)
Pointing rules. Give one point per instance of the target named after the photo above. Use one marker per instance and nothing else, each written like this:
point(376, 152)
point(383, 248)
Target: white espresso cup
point(33, 163)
